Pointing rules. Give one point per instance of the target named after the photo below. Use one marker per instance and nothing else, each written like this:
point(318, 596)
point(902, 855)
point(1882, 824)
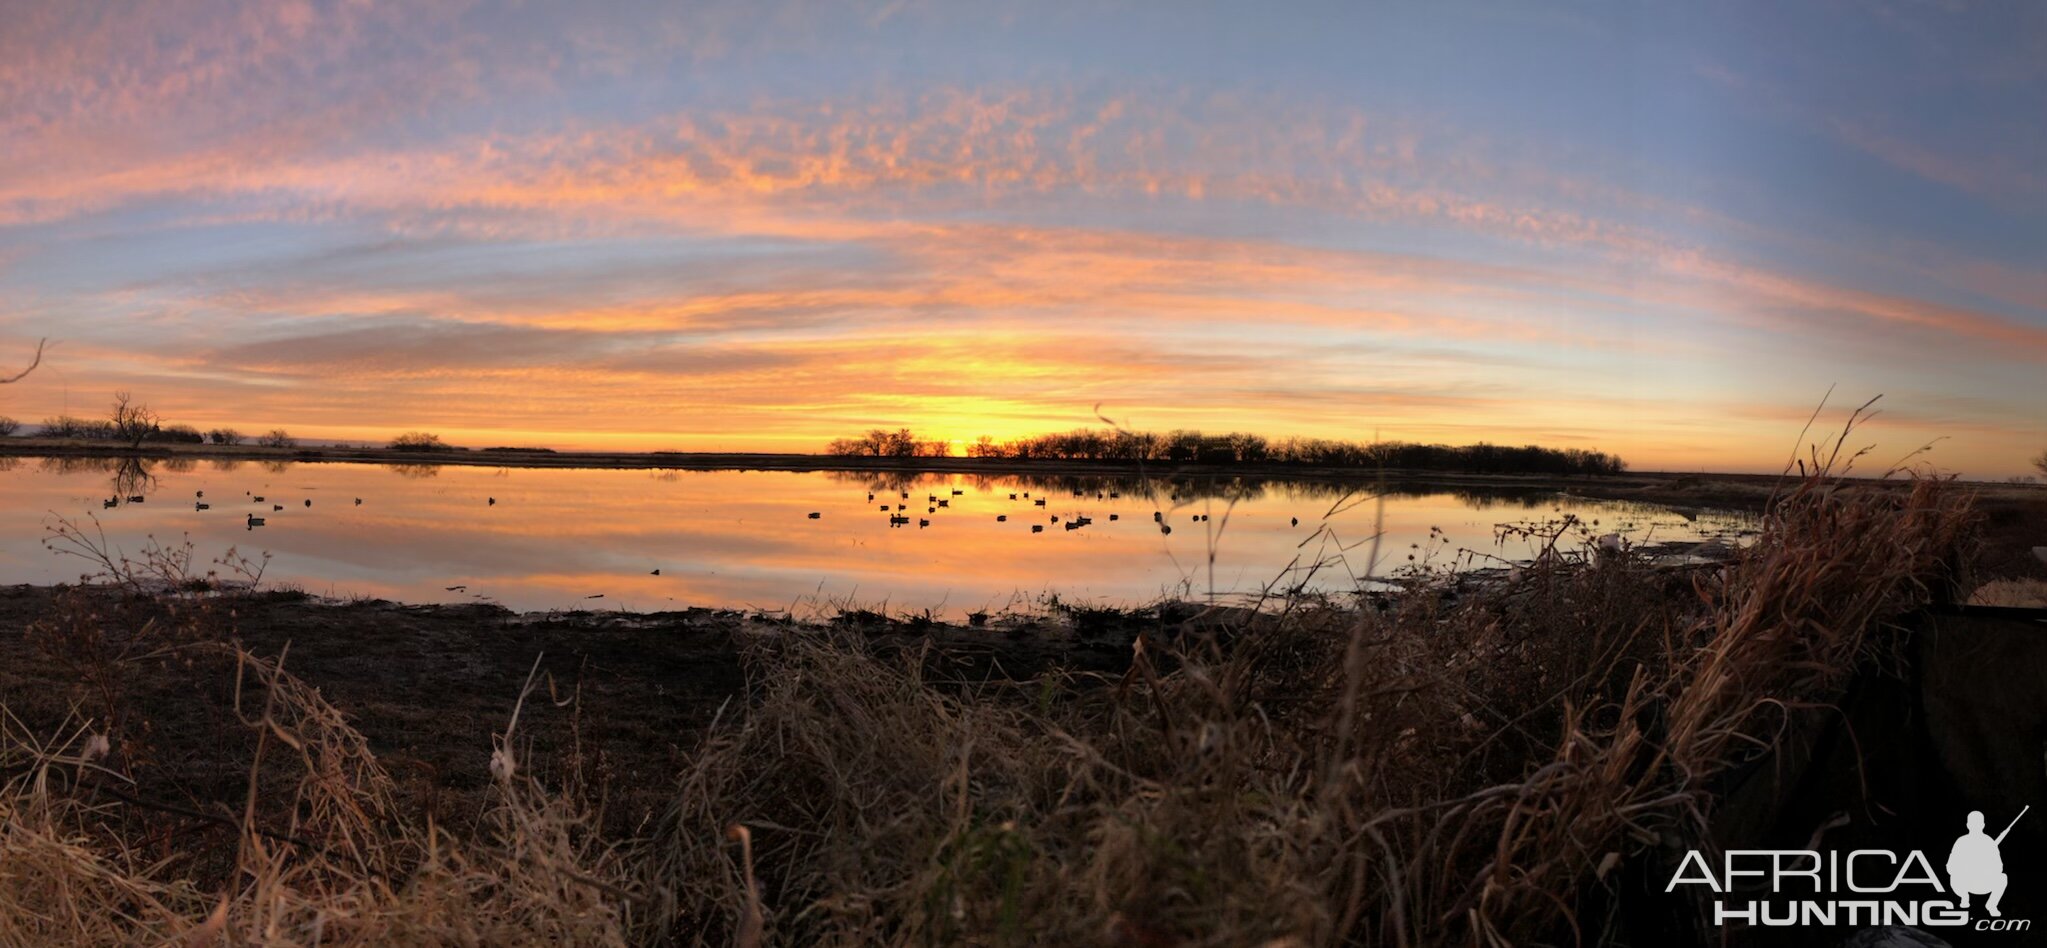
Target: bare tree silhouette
point(132, 420)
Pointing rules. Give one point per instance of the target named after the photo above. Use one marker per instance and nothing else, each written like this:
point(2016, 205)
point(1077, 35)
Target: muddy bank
point(629, 693)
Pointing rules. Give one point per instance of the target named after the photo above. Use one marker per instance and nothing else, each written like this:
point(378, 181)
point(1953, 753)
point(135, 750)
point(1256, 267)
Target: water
point(558, 537)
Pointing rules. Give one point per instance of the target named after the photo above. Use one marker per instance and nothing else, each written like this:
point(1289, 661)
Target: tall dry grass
point(1491, 768)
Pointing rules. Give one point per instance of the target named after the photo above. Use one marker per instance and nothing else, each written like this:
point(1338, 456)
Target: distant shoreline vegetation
point(1194, 447)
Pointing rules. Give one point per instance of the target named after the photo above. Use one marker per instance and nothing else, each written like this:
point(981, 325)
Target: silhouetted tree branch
point(38, 360)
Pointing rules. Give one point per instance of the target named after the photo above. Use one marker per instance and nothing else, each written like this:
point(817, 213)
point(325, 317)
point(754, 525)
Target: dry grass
point(1485, 770)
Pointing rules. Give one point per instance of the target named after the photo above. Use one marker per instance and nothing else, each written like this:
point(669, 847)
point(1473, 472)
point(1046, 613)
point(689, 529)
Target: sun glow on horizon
point(758, 227)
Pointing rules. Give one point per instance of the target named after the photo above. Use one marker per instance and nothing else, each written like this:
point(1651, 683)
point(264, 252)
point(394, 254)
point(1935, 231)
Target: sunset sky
point(1660, 230)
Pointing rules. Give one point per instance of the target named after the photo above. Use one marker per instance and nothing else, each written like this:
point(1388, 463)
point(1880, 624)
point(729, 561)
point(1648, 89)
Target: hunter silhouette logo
point(1975, 867)
point(1862, 887)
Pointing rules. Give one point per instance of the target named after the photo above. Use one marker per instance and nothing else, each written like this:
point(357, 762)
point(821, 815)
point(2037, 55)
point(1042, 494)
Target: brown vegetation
point(1488, 769)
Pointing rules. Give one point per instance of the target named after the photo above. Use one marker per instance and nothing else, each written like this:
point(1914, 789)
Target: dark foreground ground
point(430, 685)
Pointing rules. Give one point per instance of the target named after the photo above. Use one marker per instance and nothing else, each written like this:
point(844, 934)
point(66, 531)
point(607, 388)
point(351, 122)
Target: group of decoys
point(252, 521)
point(898, 515)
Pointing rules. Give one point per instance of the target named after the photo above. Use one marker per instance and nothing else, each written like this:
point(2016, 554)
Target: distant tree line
point(899, 443)
point(1194, 447)
point(131, 422)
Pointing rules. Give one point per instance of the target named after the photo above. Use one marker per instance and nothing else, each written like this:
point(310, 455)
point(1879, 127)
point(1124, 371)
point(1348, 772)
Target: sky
point(1662, 230)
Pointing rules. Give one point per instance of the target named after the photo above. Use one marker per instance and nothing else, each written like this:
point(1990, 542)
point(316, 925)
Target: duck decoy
point(816, 514)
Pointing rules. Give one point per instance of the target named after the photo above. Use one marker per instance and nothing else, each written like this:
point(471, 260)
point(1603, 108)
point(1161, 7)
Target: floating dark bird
point(309, 501)
point(1075, 525)
point(358, 501)
point(957, 492)
point(1012, 497)
point(199, 493)
point(902, 506)
point(931, 510)
point(1001, 518)
point(1055, 518)
point(255, 521)
point(276, 507)
point(136, 499)
point(655, 573)
point(898, 521)
point(1039, 502)
point(1037, 528)
point(202, 506)
point(598, 596)
point(1157, 517)
point(1166, 529)
point(109, 504)
point(942, 502)
point(906, 495)
point(493, 502)
point(1112, 517)
point(1296, 522)
point(884, 508)
point(815, 514)
point(870, 497)
point(922, 523)
point(258, 499)
point(456, 589)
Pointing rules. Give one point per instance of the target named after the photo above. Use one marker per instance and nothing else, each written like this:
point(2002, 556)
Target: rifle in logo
point(1975, 866)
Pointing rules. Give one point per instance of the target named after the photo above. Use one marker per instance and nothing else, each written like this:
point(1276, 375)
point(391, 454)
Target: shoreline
point(1744, 484)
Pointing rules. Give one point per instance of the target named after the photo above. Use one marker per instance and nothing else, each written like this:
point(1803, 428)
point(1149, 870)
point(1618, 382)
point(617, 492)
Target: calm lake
point(560, 538)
